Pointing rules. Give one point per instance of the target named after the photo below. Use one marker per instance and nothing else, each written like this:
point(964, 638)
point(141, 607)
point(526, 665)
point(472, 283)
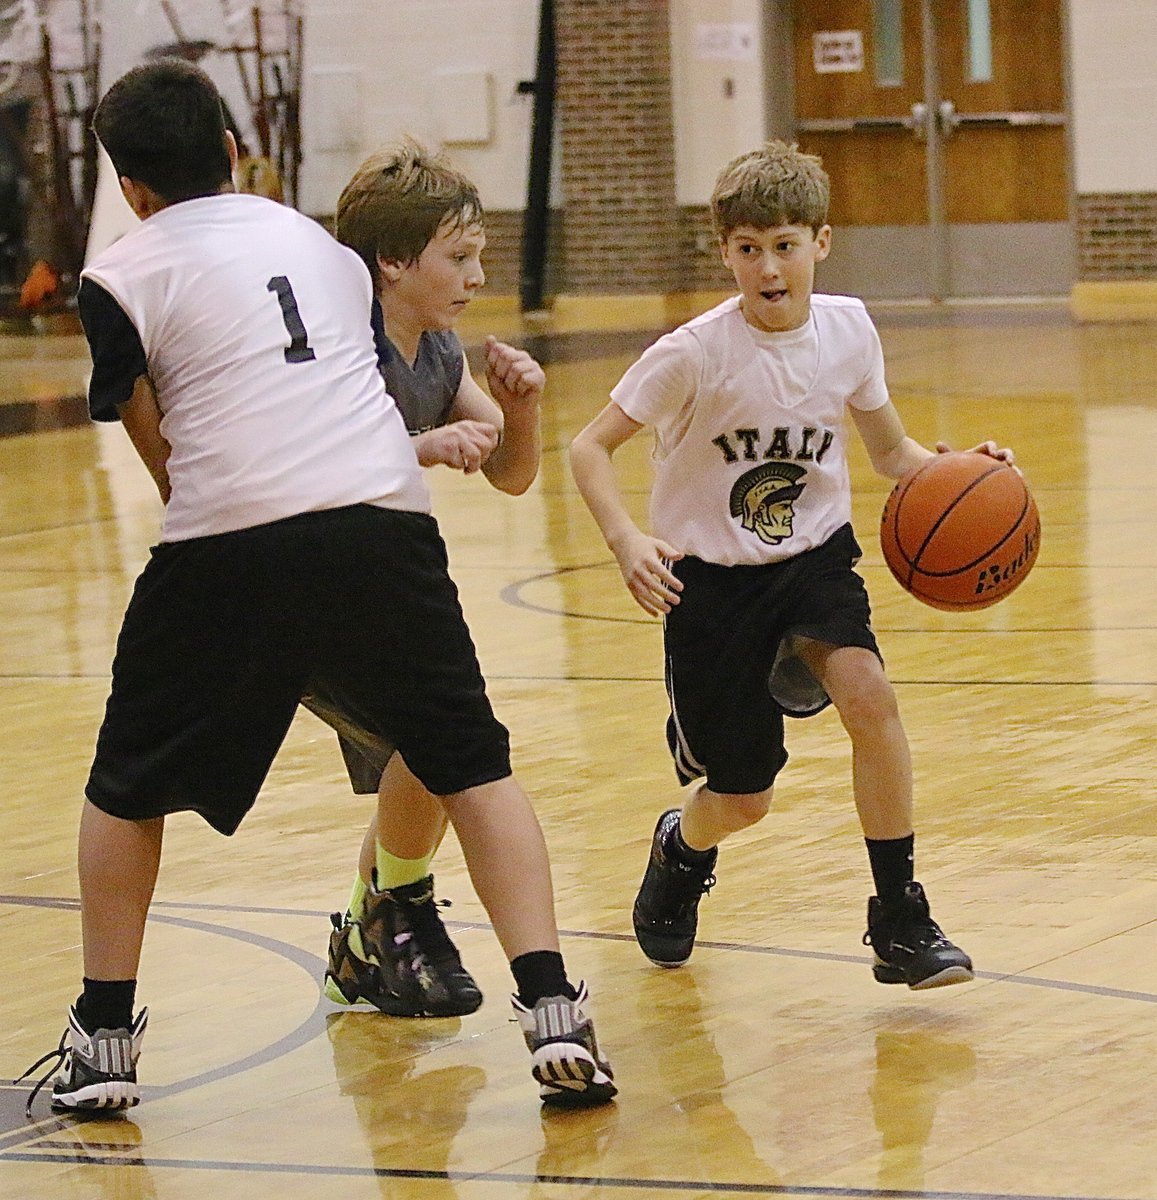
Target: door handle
point(919, 121)
point(916, 122)
point(947, 118)
point(950, 120)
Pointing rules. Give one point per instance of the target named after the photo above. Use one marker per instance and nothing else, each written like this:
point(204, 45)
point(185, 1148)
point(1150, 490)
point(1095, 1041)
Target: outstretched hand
point(463, 445)
point(512, 375)
point(643, 561)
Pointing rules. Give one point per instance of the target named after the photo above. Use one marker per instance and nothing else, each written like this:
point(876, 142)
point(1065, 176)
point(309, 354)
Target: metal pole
point(536, 222)
point(937, 220)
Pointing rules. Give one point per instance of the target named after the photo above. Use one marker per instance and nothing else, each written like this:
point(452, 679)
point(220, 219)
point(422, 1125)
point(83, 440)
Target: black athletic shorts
point(365, 754)
point(225, 634)
point(731, 664)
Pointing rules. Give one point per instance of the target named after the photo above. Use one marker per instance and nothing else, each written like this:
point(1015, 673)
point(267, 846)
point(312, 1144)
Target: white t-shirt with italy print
point(750, 450)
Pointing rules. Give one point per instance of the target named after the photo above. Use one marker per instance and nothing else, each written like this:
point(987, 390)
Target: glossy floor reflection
point(772, 1064)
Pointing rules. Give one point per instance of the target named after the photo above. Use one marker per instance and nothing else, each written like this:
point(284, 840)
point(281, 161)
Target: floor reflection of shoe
point(392, 1072)
point(564, 1053)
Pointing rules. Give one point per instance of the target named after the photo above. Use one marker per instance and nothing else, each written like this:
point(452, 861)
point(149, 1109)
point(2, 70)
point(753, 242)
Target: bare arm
point(141, 416)
point(642, 559)
point(516, 383)
point(894, 453)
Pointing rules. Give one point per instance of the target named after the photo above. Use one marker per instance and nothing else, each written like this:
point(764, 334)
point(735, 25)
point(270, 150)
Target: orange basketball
point(961, 531)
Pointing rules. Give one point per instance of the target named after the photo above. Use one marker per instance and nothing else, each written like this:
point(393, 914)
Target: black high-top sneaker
point(666, 912)
point(910, 947)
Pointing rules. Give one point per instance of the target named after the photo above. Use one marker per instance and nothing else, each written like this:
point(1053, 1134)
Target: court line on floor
point(514, 1177)
point(512, 594)
point(313, 964)
point(301, 1035)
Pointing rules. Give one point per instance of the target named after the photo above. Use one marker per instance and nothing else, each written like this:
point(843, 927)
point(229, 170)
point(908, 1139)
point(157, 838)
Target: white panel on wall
point(335, 109)
point(464, 107)
point(717, 89)
point(1114, 73)
point(411, 54)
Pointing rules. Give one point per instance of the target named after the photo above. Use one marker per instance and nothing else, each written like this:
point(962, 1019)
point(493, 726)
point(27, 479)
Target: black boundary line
point(314, 965)
point(512, 1177)
point(497, 677)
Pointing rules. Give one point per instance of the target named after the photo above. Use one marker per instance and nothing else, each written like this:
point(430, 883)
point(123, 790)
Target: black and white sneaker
point(910, 947)
point(97, 1070)
point(564, 1053)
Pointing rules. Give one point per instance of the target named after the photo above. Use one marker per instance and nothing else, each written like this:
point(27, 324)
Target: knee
point(868, 705)
point(749, 808)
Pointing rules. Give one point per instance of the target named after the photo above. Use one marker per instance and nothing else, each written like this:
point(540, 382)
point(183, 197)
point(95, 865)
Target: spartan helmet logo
point(763, 498)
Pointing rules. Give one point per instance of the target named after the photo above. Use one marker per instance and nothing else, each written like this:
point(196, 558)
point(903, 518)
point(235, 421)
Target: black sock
point(541, 973)
point(107, 1004)
point(685, 853)
point(892, 865)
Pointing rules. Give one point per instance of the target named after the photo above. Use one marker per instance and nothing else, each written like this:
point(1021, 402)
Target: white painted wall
point(717, 81)
point(445, 71)
point(1114, 74)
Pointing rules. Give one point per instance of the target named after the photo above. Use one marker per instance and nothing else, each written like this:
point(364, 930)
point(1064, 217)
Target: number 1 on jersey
point(299, 349)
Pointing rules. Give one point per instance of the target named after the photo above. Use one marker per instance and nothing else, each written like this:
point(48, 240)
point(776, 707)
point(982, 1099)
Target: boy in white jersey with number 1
point(230, 336)
point(752, 559)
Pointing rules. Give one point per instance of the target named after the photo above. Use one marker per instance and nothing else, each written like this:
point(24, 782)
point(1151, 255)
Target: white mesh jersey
point(255, 327)
point(750, 450)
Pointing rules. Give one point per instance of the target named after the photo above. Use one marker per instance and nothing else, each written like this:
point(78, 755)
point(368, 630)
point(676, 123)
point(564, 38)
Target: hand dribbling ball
point(961, 531)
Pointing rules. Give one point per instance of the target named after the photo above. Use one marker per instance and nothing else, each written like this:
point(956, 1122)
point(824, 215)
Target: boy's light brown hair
point(778, 184)
point(397, 201)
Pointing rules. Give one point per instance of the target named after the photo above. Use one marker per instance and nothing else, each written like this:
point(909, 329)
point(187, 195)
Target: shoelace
point(691, 885)
point(924, 933)
point(429, 932)
point(57, 1057)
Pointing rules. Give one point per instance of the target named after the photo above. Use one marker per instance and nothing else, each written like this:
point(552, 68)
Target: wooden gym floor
point(772, 1065)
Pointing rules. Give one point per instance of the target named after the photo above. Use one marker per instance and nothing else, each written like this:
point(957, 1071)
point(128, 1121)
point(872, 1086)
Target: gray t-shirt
point(424, 392)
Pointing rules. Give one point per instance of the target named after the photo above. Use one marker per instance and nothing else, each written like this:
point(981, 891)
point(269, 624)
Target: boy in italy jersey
point(752, 555)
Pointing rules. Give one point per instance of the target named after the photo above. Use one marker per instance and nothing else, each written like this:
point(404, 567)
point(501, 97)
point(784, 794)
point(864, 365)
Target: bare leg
point(881, 761)
point(409, 822)
point(118, 862)
point(708, 817)
point(508, 862)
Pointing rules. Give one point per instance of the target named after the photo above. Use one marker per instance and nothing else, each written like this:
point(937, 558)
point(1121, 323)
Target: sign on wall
point(836, 50)
point(731, 41)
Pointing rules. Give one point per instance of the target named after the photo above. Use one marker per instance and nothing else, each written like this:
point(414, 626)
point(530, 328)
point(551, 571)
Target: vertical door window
point(978, 16)
point(888, 42)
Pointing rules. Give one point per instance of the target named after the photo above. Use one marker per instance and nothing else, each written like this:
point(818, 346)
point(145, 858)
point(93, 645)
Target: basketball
point(961, 531)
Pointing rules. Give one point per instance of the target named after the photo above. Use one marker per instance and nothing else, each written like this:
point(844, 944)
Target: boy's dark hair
point(775, 185)
point(397, 201)
point(162, 125)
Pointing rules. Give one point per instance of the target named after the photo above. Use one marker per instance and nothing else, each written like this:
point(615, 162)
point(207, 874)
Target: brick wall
point(1117, 236)
point(621, 226)
point(502, 258)
point(700, 267)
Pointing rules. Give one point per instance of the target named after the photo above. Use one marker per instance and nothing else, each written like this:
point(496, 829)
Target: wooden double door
point(943, 125)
